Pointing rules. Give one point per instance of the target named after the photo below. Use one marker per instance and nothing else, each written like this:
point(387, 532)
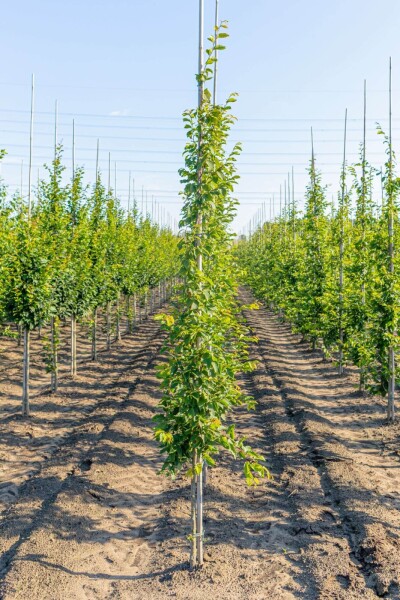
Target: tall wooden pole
point(391, 357)
point(22, 179)
point(129, 193)
point(94, 324)
point(109, 172)
point(73, 149)
point(341, 249)
point(73, 315)
point(293, 209)
point(54, 366)
point(31, 147)
point(197, 508)
point(215, 56)
point(363, 220)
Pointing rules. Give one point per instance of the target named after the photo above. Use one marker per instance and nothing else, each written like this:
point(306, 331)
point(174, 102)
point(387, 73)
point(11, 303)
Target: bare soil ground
point(26, 443)
point(94, 520)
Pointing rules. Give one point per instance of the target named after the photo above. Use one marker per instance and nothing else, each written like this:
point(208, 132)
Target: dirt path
point(98, 522)
point(340, 464)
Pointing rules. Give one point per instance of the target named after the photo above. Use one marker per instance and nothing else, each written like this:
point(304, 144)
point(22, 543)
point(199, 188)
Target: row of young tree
point(70, 253)
point(332, 271)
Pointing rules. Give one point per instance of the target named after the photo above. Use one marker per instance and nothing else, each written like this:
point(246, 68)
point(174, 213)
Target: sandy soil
point(96, 521)
point(25, 444)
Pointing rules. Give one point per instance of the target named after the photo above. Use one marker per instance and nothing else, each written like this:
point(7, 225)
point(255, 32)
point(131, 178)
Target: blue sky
point(125, 72)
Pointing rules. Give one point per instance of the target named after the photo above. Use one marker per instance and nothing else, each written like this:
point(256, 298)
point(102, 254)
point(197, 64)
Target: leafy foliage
point(296, 265)
point(207, 343)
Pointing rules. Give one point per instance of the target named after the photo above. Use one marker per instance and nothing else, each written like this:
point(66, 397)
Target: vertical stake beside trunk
point(341, 252)
point(391, 357)
point(197, 479)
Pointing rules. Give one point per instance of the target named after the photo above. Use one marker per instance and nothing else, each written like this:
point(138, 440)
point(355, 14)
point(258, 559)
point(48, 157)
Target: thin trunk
point(108, 326)
point(134, 309)
point(25, 375)
point(205, 474)
point(118, 328)
point(73, 346)
point(94, 335)
point(54, 356)
point(199, 516)
point(128, 315)
point(193, 545)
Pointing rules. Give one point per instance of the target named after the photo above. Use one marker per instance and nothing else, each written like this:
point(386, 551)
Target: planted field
point(97, 521)
point(186, 411)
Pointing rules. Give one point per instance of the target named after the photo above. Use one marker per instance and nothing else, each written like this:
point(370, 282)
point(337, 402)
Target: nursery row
point(69, 251)
point(333, 271)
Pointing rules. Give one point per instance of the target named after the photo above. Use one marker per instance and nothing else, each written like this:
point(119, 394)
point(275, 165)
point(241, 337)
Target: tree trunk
point(108, 326)
point(199, 517)
point(128, 315)
point(134, 310)
point(391, 385)
point(25, 375)
point(94, 335)
point(361, 387)
point(193, 545)
point(73, 346)
point(118, 325)
point(54, 356)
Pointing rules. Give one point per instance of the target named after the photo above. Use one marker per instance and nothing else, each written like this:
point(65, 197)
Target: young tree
point(207, 344)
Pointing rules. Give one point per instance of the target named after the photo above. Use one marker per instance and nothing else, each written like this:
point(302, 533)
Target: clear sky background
point(125, 71)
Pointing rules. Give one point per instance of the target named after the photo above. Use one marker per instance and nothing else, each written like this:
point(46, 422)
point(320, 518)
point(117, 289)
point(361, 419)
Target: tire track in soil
point(360, 487)
point(37, 496)
point(314, 533)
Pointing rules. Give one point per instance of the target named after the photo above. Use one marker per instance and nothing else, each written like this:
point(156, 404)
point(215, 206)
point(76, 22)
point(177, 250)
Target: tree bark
point(193, 545)
point(94, 335)
point(25, 375)
point(54, 357)
point(73, 346)
point(108, 326)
